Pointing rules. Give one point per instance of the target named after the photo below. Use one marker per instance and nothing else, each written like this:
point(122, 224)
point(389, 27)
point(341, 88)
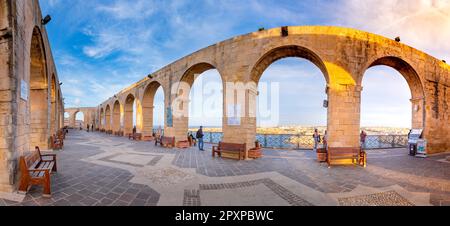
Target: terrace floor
point(98, 169)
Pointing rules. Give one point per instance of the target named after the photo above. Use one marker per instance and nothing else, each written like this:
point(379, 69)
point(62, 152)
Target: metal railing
point(299, 142)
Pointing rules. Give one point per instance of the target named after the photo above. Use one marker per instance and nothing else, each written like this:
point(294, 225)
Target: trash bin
point(412, 149)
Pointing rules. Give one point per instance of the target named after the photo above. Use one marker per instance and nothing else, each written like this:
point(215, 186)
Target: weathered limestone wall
point(343, 55)
point(26, 63)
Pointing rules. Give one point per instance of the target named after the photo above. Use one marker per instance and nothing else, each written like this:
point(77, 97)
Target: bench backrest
point(232, 147)
point(32, 159)
point(344, 151)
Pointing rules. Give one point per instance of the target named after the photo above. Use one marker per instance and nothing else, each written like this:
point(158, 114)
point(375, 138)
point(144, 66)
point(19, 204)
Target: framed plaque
point(24, 91)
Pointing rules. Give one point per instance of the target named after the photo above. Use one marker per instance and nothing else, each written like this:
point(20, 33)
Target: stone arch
point(148, 100)
point(283, 52)
point(414, 82)
point(128, 114)
point(108, 117)
point(85, 121)
point(116, 116)
point(38, 95)
point(181, 113)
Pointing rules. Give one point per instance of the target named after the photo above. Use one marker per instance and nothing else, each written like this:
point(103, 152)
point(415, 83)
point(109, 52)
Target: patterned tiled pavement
point(98, 169)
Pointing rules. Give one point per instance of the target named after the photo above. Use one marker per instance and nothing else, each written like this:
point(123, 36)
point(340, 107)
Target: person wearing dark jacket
point(200, 136)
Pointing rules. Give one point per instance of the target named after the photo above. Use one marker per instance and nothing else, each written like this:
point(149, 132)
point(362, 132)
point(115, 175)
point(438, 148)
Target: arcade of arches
point(343, 56)
point(32, 107)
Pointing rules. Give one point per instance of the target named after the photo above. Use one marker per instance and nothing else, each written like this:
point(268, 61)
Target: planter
point(322, 155)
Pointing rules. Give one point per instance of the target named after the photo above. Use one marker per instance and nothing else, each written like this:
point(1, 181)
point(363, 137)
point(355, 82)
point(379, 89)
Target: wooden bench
point(230, 149)
point(165, 142)
point(135, 136)
point(256, 152)
point(36, 169)
point(56, 143)
point(341, 154)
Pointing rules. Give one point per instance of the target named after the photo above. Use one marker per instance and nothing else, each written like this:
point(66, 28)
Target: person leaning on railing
point(363, 138)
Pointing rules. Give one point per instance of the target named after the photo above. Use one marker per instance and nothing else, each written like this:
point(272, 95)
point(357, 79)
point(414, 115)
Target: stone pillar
point(107, 122)
point(72, 121)
point(7, 149)
point(116, 121)
point(53, 118)
point(239, 119)
point(140, 118)
point(179, 114)
point(39, 128)
point(418, 113)
point(128, 120)
point(147, 121)
point(344, 115)
point(437, 118)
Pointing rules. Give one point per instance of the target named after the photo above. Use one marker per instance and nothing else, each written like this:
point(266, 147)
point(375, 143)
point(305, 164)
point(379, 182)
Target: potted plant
point(322, 154)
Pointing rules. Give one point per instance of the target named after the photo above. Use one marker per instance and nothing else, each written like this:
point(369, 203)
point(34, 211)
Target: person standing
point(134, 130)
point(363, 138)
point(200, 136)
point(88, 128)
point(317, 140)
point(92, 127)
point(325, 140)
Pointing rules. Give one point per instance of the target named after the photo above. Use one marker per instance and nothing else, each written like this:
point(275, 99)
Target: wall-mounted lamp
point(444, 61)
point(150, 76)
point(115, 96)
point(325, 103)
point(46, 20)
point(397, 39)
point(60, 84)
point(261, 29)
point(285, 31)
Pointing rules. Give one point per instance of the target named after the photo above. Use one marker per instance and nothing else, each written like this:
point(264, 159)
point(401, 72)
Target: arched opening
point(66, 119)
point(129, 116)
point(80, 120)
point(153, 108)
point(387, 114)
point(38, 94)
point(53, 112)
point(116, 117)
point(204, 105)
point(291, 83)
point(108, 118)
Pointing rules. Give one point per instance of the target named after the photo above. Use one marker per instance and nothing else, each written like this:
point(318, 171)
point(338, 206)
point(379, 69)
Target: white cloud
point(124, 9)
point(423, 24)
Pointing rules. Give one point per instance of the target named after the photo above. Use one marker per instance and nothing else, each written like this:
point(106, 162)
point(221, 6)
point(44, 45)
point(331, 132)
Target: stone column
point(239, 119)
point(140, 123)
point(128, 120)
point(72, 121)
point(147, 121)
point(418, 113)
point(177, 110)
point(344, 115)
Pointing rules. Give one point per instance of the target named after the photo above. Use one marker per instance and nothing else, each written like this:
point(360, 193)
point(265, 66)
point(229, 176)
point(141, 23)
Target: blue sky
point(102, 46)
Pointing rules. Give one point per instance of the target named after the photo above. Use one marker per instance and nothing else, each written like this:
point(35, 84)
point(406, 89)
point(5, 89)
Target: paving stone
point(83, 183)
